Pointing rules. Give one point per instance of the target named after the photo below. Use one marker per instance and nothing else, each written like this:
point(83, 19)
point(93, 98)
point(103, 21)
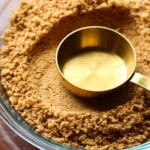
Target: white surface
point(6, 9)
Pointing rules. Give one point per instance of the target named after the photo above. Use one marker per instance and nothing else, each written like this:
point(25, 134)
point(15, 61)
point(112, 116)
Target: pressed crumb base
point(32, 82)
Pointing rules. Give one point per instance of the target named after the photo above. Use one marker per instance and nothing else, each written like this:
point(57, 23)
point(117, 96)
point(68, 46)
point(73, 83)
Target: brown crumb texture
point(31, 80)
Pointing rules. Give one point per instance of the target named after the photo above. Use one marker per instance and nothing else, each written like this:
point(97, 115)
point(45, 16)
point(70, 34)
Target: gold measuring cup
point(96, 60)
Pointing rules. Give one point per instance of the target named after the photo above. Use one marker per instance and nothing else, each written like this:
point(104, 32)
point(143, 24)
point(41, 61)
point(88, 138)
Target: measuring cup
point(96, 60)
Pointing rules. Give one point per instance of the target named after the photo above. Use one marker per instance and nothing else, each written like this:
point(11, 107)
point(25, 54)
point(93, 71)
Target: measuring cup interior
point(103, 42)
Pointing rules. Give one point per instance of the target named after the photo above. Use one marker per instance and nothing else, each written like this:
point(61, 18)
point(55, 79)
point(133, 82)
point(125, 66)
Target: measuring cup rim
point(98, 27)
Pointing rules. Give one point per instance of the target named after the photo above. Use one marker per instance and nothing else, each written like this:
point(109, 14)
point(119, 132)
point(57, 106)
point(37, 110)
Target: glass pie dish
point(15, 121)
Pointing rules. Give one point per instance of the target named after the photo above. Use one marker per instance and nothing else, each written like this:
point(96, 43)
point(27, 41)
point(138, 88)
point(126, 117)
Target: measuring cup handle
point(141, 80)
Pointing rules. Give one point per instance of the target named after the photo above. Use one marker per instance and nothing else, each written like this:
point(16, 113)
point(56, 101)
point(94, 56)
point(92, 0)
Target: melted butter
point(95, 70)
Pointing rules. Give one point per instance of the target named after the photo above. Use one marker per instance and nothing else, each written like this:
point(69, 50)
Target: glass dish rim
point(16, 124)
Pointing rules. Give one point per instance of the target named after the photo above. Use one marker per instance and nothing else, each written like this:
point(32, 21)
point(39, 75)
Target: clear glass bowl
point(14, 120)
point(25, 131)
